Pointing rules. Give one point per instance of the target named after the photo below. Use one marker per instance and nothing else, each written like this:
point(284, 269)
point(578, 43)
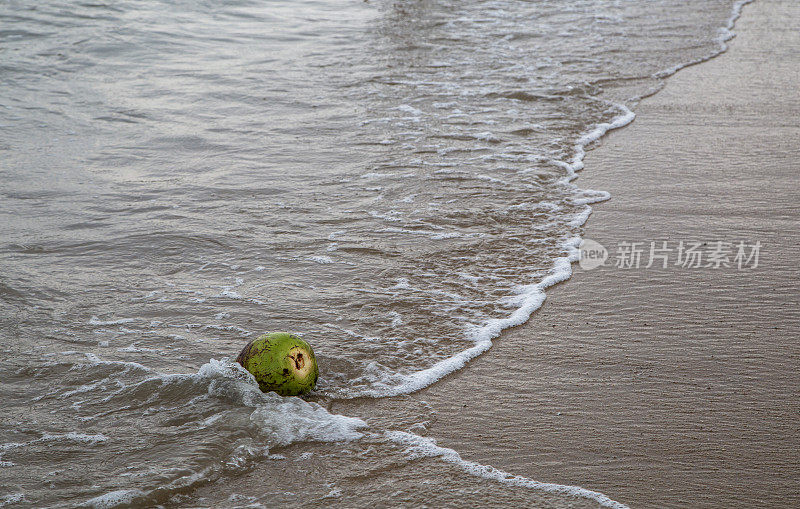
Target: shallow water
point(391, 180)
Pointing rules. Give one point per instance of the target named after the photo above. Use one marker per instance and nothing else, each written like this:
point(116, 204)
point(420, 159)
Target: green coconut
point(281, 362)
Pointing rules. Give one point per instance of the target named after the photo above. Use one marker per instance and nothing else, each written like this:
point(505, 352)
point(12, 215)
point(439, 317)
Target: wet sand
point(670, 387)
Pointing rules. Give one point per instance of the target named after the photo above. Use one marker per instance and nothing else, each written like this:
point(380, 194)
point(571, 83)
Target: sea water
point(393, 180)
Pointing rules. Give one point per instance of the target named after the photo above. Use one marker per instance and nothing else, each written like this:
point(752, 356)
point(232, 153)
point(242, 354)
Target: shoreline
point(664, 386)
point(534, 294)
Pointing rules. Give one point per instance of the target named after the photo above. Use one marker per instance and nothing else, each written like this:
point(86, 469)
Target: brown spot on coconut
point(281, 362)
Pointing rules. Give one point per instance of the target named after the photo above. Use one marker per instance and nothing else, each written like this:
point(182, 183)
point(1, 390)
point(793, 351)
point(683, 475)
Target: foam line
point(533, 296)
point(725, 34)
point(530, 298)
point(423, 447)
point(114, 499)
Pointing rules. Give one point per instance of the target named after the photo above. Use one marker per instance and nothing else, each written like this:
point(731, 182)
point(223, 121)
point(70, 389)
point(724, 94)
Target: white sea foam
point(374, 175)
point(74, 436)
point(136, 349)
point(321, 259)
point(529, 297)
point(402, 284)
point(113, 499)
point(725, 34)
point(334, 493)
point(283, 420)
point(391, 216)
point(576, 163)
point(581, 217)
point(409, 109)
point(11, 498)
point(397, 320)
point(434, 235)
point(96, 321)
point(487, 136)
point(590, 196)
point(423, 447)
point(226, 386)
point(227, 292)
point(126, 365)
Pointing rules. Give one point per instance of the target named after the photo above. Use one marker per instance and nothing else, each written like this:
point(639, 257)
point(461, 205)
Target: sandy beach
point(395, 182)
point(666, 387)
